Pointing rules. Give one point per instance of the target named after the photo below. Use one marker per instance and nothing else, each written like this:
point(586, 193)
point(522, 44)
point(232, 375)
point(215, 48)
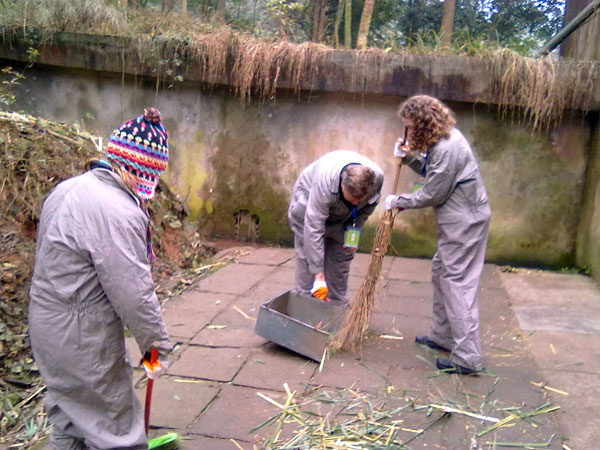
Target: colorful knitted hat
point(141, 146)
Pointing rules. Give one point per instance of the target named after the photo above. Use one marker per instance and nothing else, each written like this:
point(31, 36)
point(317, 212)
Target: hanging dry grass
point(538, 91)
point(534, 91)
point(250, 67)
point(368, 68)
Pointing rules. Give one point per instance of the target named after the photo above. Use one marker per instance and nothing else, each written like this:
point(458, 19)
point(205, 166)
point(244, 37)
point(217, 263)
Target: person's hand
point(153, 366)
point(391, 202)
point(319, 290)
point(400, 148)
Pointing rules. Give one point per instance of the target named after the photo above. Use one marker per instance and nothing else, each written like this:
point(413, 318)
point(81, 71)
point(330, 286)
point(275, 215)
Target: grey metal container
point(300, 323)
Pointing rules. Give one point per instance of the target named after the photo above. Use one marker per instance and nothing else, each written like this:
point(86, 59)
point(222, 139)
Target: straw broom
point(356, 321)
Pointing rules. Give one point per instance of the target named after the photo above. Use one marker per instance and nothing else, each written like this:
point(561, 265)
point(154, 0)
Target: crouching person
point(331, 200)
point(91, 279)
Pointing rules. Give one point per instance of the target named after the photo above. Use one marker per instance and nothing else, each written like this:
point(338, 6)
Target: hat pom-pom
point(152, 115)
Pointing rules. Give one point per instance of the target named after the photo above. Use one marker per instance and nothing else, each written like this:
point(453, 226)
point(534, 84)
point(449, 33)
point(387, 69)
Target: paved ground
point(536, 327)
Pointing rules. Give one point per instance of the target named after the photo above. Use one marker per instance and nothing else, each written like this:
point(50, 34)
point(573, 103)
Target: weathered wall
point(582, 43)
point(588, 237)
point(225, 157)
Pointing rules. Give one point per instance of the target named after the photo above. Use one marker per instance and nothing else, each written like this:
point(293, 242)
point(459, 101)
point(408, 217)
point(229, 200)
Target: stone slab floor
point(540, 335)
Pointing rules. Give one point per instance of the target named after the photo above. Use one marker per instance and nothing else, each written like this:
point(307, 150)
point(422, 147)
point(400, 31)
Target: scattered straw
point(548, 388)
point(332, 419)
point(243, 314)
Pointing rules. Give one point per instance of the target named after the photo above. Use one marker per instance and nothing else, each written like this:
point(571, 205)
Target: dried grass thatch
point(254, 68)
point(536, 91)
point(532, 90)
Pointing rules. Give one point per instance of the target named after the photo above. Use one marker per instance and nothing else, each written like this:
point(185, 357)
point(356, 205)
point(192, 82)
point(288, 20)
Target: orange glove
point(152, 365)
point(319, 290)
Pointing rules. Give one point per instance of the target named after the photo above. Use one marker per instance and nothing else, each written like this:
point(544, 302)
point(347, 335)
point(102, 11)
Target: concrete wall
point(588, 237)
point(226, 157)
point(583, 43)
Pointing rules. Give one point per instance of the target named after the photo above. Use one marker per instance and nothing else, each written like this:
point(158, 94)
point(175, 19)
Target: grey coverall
point(318, 216)
point(91, 278)
point(454, 188)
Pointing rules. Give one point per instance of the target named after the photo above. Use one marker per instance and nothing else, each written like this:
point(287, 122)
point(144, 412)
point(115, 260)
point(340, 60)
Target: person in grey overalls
point(452, 185)
point(92, 279)
point(333, 196)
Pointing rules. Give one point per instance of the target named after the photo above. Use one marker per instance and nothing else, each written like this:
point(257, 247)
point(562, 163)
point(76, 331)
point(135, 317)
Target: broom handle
point(397, 176)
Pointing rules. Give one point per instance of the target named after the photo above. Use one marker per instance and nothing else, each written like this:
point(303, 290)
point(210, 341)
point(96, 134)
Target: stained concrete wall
point(588, 237)
point(583, 45)
point(225, 157)
point(583, 42)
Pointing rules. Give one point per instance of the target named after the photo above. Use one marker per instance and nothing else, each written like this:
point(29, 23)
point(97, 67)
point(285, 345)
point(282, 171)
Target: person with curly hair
point(452, 185)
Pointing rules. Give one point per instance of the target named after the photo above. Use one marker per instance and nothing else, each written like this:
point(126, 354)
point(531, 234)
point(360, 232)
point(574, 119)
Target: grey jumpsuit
point(91, 278)
point(318, 216)
point(454, 188)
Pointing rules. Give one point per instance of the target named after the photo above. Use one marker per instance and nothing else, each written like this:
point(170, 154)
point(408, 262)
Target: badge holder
point(418, 185)
point(352, 238)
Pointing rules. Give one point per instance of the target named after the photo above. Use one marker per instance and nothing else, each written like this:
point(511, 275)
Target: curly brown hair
point(431, 118)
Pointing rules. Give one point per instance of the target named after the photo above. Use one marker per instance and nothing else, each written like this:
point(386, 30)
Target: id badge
point(418, 185)
point(351, 238)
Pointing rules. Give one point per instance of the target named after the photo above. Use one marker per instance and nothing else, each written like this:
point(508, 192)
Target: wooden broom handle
point(397, 176)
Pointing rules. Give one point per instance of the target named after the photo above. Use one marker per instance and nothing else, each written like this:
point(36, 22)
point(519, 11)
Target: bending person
point(452, 186)
point(91, 279)
point(331, 200)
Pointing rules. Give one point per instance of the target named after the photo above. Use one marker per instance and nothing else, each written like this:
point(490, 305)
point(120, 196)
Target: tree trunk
point(348, 25)
point(184, 7)
point(447, 23)
point(365, 23)
point(168, 5)
point(123, 4)
point(220, 13)
point(318, 20)
point(338, 21)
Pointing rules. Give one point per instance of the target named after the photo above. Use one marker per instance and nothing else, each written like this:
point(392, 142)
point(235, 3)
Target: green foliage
point(10, 80)
point(520, 25)
point(576, 270)
point(84, 16)
point(287, 17)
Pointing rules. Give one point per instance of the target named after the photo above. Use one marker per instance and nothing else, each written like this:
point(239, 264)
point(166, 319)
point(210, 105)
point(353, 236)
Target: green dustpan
point(161, 441)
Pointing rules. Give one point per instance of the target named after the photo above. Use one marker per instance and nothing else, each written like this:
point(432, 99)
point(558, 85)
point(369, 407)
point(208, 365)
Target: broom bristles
point(356, 321)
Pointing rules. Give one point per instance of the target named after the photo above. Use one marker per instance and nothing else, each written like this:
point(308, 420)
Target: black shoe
point(450, 367)
point(424, 340)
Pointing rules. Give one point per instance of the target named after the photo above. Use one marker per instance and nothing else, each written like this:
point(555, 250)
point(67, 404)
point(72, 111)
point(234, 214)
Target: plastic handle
point(153, 356)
